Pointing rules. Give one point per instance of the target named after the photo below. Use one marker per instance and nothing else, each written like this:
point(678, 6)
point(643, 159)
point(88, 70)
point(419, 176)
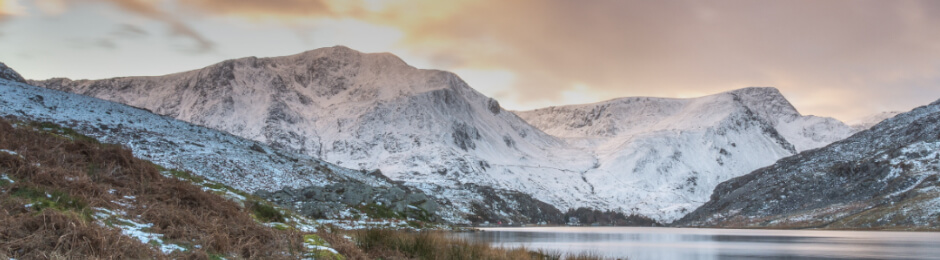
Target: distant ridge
point(429, 129)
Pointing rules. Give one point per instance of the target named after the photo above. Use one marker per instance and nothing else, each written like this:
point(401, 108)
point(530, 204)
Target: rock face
point(428, 129)
point(9, 74)
point(885, 177)
point(335, 200)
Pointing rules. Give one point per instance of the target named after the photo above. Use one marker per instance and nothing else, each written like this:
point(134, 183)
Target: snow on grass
point(304, 224)
point(4, 177)
point(134, 229)
point(12, 153)
point(318, 248)
point(352, 224)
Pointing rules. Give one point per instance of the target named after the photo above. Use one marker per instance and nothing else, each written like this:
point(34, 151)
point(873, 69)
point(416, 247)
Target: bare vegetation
point(397, 244)
point(59, 178)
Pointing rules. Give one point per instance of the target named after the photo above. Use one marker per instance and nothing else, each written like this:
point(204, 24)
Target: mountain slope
point(677, 150)
point(867, 122)
point(430, 130)
point(363, 111)
point(66, 196)
point(243, 164)
point(885, 177)
point(621, 118)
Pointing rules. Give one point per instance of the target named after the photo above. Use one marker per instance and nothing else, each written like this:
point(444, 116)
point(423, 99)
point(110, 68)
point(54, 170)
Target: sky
point(843, 59)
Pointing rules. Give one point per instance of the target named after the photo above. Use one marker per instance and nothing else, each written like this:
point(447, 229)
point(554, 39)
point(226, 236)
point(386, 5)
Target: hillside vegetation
point(66, 196)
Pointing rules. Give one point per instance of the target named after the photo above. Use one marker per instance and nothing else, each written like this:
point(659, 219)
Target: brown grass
point(90, 175)
point(54, 234)
point(397, 244)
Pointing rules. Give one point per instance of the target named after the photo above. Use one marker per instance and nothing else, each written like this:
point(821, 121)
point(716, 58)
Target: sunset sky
point(843, 59)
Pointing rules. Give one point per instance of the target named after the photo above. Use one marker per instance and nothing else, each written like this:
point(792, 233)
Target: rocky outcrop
point(335, 200)
point(883, 178)
point(9, 74)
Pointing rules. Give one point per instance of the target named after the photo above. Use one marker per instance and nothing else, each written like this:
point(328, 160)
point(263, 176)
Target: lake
point(687, 243)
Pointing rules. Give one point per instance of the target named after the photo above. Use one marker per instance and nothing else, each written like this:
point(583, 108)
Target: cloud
point(130, 31)
point(106, 44)
point(839, 58)
point(668, 48)
point(10, 8)
point(52, 7)
point(150, 10)
point(267, 8)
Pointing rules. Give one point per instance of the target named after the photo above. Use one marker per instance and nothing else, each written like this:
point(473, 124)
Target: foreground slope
point(64, 196)
point(884, 178)
point(432, 131)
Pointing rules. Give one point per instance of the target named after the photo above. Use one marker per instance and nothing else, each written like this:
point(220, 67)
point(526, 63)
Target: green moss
point(185, 175)
point(266, 213)
point(313, 243)
point(61, 131)
point(215, 256)
point(216, 186)
point(57, 200)
point(280, 226)
point(5, 180)
point(419, 213)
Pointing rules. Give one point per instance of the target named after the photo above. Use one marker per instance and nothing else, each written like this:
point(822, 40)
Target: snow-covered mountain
point(362, 111)
point(885, 177)
point(221, 157)
point(867, 122)
point(624, 118)
point(677, 150)
point(429, 129)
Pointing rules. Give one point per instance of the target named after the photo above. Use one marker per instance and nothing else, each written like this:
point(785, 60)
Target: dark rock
point(8, 73)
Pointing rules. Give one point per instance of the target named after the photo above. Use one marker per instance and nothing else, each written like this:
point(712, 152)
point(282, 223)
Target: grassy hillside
point(64, 195)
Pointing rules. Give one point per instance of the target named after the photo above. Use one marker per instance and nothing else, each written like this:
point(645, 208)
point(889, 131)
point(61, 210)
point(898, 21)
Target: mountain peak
point(767, 102)
point(8, 73)
point(340, 52)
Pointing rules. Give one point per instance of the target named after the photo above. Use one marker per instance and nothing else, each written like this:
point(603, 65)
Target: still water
point(683, 243)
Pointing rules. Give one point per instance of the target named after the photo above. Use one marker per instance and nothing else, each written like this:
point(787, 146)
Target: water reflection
point(682, 243)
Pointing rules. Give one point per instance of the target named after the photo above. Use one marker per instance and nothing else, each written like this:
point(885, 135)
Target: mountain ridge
point(431, 130)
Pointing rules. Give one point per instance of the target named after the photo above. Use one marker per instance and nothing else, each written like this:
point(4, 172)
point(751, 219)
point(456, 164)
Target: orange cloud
point(266, 8)
point(881, 50)
point(149, 9)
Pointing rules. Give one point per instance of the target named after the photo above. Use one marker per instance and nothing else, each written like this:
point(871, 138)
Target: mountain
point(885, 177)
point(871, 120)
point(431, 131)
point(363, 111)
point(217, 156)
point(670, 153)
point(623, 118)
